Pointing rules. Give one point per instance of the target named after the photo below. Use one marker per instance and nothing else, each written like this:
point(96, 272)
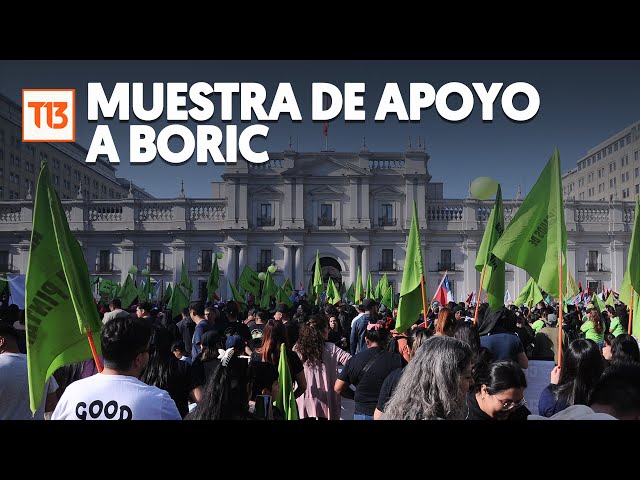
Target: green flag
point(269, 289)
point(214, 278)
point(239, 299)
point(370, 292)
point(284, 293)
point(311, 296)
point(387, 299)
point(167, 296)
point(635, 325)
point(59, 304)
point(285, 401)
point(249, 281)
point(611, 300)
point(572, 289)
point(537, 235)
point(185, 281)
point(381, 287)
point(358, 293)
point(494, 270)
point(318, 285)
point(633, 261)
point(530, 294)
point(178, 301)
point(410, 303)
point(333, 296)
point(351, 296)
point(128, 292)
point(597, 302)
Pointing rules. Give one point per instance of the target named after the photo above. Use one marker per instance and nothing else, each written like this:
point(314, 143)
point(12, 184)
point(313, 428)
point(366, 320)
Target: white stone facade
point(354, 208)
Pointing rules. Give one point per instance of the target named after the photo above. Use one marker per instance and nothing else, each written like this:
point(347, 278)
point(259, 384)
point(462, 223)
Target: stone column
point(353, 264)
point(300, 266)
point(287, 262)
point(242, 259)
point(231, 264)
point(365, 264)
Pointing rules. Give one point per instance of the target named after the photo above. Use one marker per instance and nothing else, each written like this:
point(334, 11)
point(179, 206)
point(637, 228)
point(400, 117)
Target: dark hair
point(378, 335)
point(123, 339)
point(619, 388)
point(624, 349)
point(226, 394)
point(197, 308)
point(163, 367)
point(262, 315)
point(581, 367)
point(310, 344)
point(499, 376)
point(468, 333)
point(115, 303)
point(445, 321)
point(185, 312)
point(146, 306)
point(6, 329)
point(178, 345)
point(273, 334)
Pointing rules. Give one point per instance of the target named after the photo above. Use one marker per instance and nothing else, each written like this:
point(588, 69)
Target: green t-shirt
point(615, 327)
point(590, 333)
point(537, 326)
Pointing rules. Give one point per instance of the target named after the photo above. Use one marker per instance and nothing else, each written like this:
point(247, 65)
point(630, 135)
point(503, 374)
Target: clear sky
point(582, 102)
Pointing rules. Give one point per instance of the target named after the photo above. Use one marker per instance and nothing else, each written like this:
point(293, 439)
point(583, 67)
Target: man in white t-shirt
point(115, 307)
point(116, 393)
point(14, 381)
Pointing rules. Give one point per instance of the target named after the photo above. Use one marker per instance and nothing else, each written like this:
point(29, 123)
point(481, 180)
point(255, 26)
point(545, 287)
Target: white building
point(609, 171)
point(354, 208)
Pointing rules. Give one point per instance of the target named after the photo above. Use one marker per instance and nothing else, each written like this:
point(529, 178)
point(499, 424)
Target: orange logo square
point(48, 115)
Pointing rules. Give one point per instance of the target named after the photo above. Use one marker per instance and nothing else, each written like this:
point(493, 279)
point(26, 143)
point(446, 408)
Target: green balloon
point(219, 255)
point(262, 276)
point(272, 268)
point(145, 272)
point(133, 269)
point(484, 188)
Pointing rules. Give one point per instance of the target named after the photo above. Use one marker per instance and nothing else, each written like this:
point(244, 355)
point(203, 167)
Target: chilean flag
point(444, 294)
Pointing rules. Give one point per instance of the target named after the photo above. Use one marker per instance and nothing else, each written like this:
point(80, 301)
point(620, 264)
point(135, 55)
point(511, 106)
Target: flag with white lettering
point(58, 298)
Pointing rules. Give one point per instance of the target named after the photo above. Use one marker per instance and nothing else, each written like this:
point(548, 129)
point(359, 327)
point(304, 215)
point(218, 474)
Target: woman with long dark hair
point(498, 392)
point(165, 371)
point(226, 393)
point(624, 350)
point(274, 335)
point(320, 359)
point(582, 366)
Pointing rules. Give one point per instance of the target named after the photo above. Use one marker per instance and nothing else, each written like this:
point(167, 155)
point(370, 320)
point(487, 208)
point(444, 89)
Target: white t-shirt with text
point(114, 397)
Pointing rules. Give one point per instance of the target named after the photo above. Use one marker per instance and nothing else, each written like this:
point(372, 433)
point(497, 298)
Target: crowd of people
point(213, 361)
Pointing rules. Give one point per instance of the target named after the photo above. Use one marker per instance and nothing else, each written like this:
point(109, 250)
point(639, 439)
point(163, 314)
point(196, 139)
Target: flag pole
point(475, 316)
point(424, 298)
point(560, 311)
point(94, 352)
point(434, 296)
point(630, 312)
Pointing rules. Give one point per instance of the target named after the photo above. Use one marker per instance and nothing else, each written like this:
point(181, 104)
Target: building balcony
point(446, 267)
point(596, 267)
point(387, 267)
point(266, 222)
point(387, 222)
point(326, 222)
